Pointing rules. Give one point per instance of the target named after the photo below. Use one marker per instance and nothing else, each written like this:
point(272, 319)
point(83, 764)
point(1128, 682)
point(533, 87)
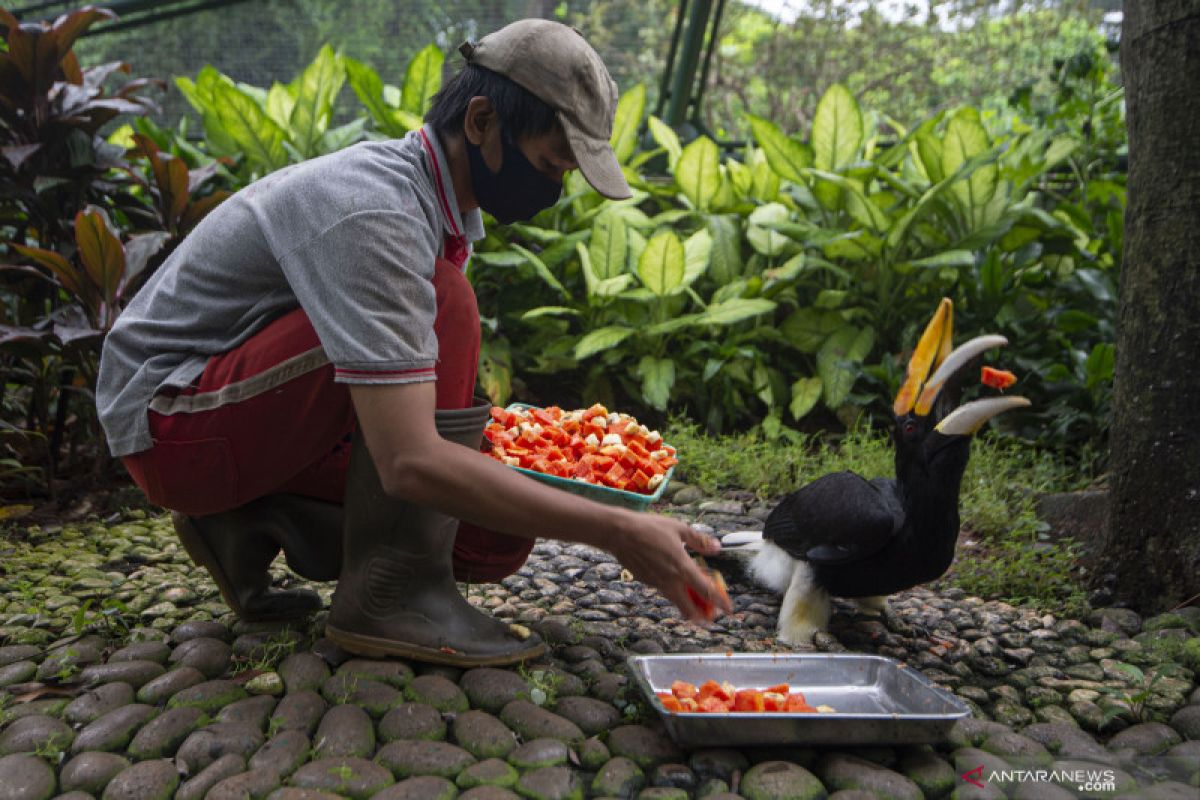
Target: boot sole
point(376, 647)
point(200, 552)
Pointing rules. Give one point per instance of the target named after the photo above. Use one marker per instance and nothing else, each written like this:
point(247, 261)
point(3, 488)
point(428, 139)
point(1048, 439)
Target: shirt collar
point(469, 224)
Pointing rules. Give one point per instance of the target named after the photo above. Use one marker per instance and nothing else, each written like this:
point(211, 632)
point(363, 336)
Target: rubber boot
point(238, 546)
point(397, 595)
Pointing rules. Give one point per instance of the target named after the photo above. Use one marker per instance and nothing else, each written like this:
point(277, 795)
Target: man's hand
point(654, 548)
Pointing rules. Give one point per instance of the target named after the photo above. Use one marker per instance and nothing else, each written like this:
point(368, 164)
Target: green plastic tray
point(601, 494)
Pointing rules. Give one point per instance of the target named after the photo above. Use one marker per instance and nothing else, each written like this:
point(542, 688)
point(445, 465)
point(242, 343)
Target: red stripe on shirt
point(441, 187)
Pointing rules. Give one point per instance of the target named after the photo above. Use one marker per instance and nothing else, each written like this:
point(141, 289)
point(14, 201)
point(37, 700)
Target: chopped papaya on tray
point(591, 445)
point(997, 378)
point(712, 697)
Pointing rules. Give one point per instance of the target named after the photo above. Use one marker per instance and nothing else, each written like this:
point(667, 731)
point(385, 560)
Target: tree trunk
point(1152, 544)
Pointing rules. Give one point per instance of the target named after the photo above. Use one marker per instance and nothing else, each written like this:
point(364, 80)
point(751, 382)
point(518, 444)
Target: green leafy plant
point(271, 128)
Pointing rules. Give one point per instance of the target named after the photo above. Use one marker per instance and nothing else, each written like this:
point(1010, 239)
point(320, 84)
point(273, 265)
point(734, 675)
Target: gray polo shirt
point(350, 237)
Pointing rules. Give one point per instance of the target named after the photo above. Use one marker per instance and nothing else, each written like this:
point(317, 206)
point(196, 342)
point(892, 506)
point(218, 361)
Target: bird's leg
point(872, 606)
point(805, 609)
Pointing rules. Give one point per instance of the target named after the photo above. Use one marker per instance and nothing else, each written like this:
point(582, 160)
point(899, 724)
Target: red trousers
point(267, 418)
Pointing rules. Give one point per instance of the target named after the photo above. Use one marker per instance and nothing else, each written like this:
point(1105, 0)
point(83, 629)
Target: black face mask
point(517, 192)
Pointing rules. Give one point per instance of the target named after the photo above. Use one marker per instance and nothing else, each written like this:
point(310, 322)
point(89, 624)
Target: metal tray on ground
point(876, 700)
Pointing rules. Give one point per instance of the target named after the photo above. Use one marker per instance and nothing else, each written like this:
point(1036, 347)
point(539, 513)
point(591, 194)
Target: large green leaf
point(280, 103)
point(805, 394)
point(628, 119)
point(697, 251)
point(661, 266)
point(314, 92)
point(948, 258)
point(837, 132)
point(857, 204)
point(658, 377)
point(899, 230)
point(666, 138)
point(601, 339)
point(368, 86)
point(550, 311)
point(725, 261)
point(786, 156)
point(422, 80)
point(202, 96)
point(965, 139)
point(541, 269)
point(761, 232)
point(609, 246)
point(698, 172)
point(837, 361)
point(808, 328)
point(734, 310)
point(250, 128)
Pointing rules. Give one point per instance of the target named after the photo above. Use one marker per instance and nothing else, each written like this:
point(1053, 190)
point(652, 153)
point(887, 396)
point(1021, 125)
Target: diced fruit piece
point(997, 378)
point(682, 689)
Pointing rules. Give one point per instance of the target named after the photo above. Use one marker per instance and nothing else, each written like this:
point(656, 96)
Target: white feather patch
point(773, 567)
point(805, 609)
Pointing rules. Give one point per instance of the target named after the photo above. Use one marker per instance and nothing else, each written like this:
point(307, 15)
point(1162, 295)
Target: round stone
point(374, 697)
point(206, 745)
point(718, 763)
point(438, 692)
point(413, 721)
point(1146, 739)
point(1186, 721)
point(394, 673)
point(780, 780)
point(35, 733)
point(268, 683)
point(255, 783)
point(95, 703)
point(351, 777)
point(532, 722)
point(301, 710)
point(113, 731)
point(491, 689)
point(592, 716)
point(164, 687)
point(158, 652)
point(539, 753)
point(301, 671)
point(283, 754)
point(12, 653)
point(252, 711)
point(17, 672)
point(647, 748)
point(551, 783)
point(490, 772)
point(136, 673)
point(146, 780)
point(209, 696)
point(482, 735)
point(161, 737)
point(196, 629)
point(429, 787)
point(90, 772)
point(673, 776)
point(406, 758)
point(844, 771)
point(932, 775)
point(1007, 744)
point(197, 787)
point(619, 777)
point(345, 731)
point(27, 777)
point(593, 754)
point(211, 656)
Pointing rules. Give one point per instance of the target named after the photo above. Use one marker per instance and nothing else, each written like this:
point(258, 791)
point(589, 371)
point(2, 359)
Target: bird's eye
point(910, 428)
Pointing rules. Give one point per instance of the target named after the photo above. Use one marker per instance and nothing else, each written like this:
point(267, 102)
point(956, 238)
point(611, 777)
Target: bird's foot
point(872, 606)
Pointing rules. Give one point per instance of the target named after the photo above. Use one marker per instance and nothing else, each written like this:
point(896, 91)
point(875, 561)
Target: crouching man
point(299, 374)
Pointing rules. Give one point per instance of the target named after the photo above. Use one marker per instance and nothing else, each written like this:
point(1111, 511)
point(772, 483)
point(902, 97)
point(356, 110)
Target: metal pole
point(689, 59)
point(664, 84)
point(708, 54)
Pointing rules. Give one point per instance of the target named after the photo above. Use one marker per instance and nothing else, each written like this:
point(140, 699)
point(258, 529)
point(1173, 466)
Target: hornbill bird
point(845, 536)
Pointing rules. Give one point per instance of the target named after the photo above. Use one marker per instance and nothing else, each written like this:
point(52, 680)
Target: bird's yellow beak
point(932, 349)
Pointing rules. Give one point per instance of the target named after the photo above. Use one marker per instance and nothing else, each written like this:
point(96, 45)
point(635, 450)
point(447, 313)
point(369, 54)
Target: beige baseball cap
point(555, 63)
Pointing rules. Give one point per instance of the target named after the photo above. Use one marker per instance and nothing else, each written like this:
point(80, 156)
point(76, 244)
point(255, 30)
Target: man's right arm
point(417, 464)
